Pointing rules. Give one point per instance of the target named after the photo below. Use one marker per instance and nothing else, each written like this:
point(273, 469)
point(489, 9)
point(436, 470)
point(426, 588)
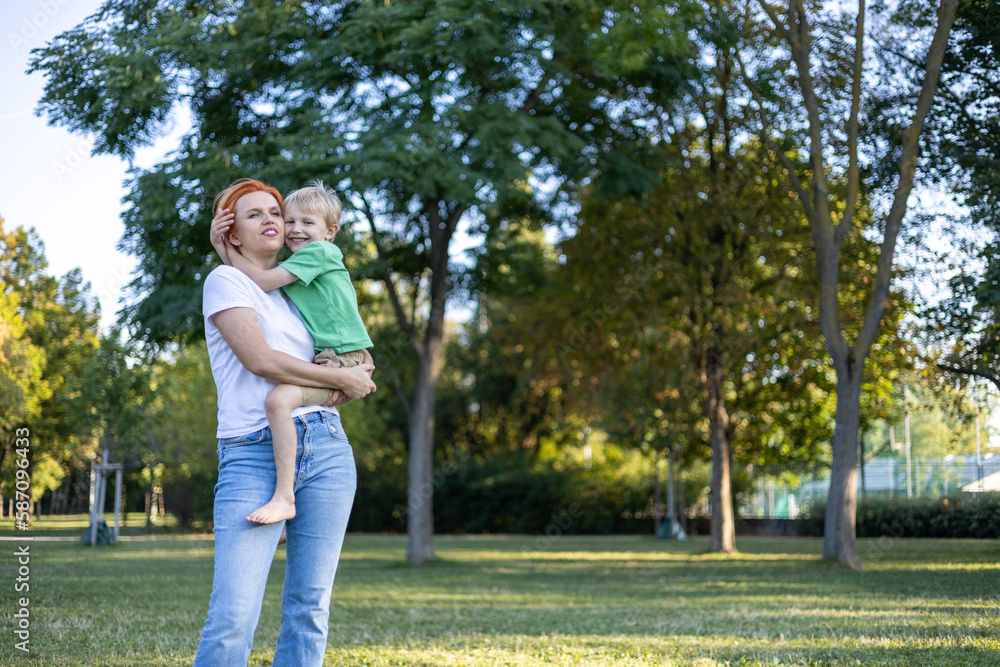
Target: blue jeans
point(325, 479)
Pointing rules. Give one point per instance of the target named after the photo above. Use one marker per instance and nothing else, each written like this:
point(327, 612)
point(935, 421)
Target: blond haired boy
point(317, 282)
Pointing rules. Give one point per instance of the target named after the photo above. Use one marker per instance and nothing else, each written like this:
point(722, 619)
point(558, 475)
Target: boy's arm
point(266, 279)
point(221, 223)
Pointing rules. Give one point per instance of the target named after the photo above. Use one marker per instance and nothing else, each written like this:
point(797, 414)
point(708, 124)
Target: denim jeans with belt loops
point(325, 479)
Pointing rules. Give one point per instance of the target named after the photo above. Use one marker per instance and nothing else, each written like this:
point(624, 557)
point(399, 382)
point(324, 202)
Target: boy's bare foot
point(273, 512)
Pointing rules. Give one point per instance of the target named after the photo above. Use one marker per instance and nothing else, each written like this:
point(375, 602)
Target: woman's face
point(258, 227)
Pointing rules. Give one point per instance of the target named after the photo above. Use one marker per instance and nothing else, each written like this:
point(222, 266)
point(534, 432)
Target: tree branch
point(773, 15)
point(801, 44)
point(961, 106)
point(995, 379)
point(453, 217)
point(825, 240)
point(404, 322)
point(853, 172)
point(907, 169)
point(769, 140)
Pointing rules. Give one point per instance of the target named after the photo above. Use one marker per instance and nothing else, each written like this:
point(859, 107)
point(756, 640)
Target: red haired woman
point(255, 341)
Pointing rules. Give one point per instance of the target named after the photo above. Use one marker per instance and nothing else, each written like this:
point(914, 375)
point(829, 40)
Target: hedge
point(968, 515)
point(509, 495)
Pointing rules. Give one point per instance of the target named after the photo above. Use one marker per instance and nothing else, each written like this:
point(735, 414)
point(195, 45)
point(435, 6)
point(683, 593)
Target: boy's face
point(302, 228)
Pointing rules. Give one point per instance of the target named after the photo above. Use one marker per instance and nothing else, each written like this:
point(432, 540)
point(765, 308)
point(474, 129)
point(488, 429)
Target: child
point(317, 282)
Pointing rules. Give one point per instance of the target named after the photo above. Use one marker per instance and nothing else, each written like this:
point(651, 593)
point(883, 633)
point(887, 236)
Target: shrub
point(509, 494)
point(968, 515)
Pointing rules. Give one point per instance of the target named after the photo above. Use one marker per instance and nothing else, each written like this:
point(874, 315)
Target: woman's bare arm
point(242, 331)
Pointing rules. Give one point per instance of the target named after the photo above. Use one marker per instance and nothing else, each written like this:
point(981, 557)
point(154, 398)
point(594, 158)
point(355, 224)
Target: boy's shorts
point(329, 357)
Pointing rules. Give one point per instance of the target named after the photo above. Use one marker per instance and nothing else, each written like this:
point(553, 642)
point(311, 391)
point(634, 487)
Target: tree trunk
point(839, 533)
point(430, 356)
point(420, 501)
point(420, 492)
point(722, 527)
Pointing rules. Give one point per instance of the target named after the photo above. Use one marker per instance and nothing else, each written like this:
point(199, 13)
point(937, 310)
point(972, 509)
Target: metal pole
point(93, 501)
point(118, 499)
point(906, 428)
point(671, 499)
point(98, 506)
point(979, 458)
point(656, 496)
point(861, 453)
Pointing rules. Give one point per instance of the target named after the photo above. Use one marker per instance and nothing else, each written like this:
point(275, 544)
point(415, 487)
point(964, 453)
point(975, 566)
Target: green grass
point(523, 601)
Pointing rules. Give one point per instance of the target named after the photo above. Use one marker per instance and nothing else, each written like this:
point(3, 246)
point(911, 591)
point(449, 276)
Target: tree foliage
point(418, 111)
point(963, 155)
point(51, 334)
point(424, 113)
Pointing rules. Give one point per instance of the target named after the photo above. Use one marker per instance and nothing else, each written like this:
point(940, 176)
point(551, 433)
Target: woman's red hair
point(244, 186)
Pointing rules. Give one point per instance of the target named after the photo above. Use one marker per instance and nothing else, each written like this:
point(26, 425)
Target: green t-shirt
point(326, 298)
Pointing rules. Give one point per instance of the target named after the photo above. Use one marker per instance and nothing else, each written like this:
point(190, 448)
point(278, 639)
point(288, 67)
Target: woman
point(256, 340)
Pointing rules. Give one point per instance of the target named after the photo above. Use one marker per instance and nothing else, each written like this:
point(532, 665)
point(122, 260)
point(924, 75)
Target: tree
point(711, 271)
point(110, 398)
point(60, 317)
point(177, 431)
point(715, 258)
point(22, 389)
point(817, 184)
point(423, 112)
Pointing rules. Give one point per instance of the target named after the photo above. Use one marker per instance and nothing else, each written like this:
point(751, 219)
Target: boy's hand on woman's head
point(221, 224)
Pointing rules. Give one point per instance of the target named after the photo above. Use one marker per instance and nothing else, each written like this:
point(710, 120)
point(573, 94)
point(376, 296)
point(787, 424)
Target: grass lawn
point(523, 601)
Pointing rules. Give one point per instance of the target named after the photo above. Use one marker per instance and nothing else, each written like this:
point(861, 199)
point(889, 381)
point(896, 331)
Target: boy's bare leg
point(279, 405)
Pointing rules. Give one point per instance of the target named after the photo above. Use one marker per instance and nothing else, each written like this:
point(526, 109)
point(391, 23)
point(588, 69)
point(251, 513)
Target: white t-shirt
point(241, 393)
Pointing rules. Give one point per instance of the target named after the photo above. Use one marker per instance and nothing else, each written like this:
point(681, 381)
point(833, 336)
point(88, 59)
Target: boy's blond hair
point(319, 199)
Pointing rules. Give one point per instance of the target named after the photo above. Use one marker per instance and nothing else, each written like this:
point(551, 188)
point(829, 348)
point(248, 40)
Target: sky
point(49, 180)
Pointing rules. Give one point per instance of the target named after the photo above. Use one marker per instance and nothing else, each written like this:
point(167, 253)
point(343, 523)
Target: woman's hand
point(221, 224)
point(358, 382)
point(339, 397)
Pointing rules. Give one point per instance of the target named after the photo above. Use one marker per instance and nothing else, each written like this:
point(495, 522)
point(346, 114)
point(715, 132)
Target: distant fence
point(885, 477)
